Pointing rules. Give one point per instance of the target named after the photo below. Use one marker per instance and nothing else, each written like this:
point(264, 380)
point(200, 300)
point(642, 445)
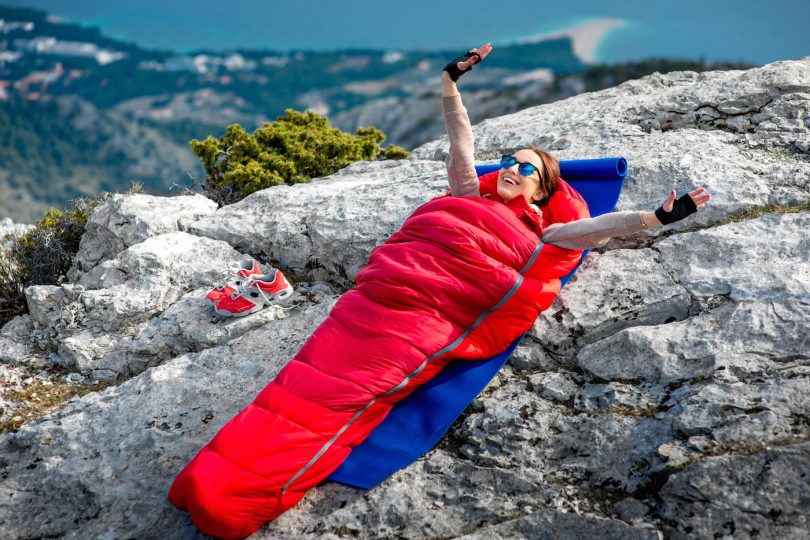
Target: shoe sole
point(226, 313)
point(276, 300)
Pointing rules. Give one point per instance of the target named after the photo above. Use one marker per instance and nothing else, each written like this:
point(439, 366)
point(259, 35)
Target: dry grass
point(40, 398)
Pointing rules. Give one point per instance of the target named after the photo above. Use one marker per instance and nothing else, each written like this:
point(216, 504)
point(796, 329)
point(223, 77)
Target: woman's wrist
point(649, 220)
point(449, 87)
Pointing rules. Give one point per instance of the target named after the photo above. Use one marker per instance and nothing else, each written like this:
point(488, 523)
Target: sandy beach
point(585, 37)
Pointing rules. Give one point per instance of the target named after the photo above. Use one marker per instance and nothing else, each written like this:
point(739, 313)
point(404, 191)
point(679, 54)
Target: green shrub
point(12, 299)
point(41, 256)
point(46, 252)
point(295, 148)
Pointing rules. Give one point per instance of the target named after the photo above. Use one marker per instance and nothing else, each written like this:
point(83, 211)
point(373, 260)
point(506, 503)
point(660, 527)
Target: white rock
point(605, 296)
point(554, 386)
point(125, 220)
point(110, 304)
point(328, 227)
point(15, 340)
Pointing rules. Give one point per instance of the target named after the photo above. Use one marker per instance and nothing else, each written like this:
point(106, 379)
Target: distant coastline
point(585, 37)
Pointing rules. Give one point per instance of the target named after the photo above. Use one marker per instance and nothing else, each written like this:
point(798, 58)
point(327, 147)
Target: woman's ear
point(539, 196)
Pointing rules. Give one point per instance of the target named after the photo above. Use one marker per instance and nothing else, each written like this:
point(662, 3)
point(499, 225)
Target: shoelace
point(249, 282)
point(225, 277)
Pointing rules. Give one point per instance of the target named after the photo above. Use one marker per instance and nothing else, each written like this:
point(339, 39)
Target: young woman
point(530, 177)
point(463, 278)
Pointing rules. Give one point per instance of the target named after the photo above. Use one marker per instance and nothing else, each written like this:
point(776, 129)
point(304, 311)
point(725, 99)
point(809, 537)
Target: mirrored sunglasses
point(526, 169)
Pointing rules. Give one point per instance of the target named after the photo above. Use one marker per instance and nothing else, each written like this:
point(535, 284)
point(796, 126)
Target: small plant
point(41, 256)
point(12, 298)
point(295, 148)
point(44, 254)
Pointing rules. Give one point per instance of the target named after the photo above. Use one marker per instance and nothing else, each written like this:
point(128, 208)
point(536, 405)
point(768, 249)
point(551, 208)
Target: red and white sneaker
point(259, 291)
point(236, 278)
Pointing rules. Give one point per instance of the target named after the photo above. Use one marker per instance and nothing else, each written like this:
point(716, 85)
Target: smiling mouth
point(509, 181)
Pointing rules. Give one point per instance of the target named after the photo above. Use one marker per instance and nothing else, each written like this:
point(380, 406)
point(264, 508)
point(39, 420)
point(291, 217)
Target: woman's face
point(511, 183)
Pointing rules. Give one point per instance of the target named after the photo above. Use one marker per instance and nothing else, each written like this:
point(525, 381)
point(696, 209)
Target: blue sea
point(742, 30)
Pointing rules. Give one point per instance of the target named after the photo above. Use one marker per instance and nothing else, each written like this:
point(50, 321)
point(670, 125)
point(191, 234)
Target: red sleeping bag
point(463, 278)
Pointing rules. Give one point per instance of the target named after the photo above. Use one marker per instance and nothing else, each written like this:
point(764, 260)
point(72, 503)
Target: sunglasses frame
point(513, 161)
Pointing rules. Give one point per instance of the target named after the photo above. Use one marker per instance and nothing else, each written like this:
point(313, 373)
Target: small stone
point(701, 443)
point(104, 375)
point(73, 377)
point(630, 509)
point(530, 357)
point(675, 454)
point(554, 386)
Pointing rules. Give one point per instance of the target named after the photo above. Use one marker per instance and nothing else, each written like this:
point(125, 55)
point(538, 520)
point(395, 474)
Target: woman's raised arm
point(460, 161)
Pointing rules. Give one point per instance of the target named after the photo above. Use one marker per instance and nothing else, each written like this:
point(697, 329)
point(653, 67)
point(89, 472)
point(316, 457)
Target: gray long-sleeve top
point(581, 234)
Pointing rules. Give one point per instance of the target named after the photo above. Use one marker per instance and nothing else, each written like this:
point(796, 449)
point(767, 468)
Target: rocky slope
point(665, 394)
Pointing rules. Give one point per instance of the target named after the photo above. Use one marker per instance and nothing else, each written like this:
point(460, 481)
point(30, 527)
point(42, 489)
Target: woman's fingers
point(700, 197)
point(669, 202)
point(465, 65)
point(481, 51)
point(484, 50)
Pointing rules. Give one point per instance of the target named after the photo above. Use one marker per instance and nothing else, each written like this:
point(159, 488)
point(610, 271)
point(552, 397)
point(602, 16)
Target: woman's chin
point(506, 194)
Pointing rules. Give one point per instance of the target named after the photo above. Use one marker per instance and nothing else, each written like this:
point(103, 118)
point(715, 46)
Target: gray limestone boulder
point(125, 220)
point(748, 495)
point(326, 228)
point(605, 297)
point(664, 394)
point(90, 321)
point(15, 339)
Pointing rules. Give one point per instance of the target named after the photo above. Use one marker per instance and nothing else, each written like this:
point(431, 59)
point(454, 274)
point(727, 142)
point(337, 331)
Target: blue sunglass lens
point(526, 169)
point(507, 161)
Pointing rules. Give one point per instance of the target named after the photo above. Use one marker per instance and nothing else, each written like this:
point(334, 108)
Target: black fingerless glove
point(682, 207)
point(452, 67)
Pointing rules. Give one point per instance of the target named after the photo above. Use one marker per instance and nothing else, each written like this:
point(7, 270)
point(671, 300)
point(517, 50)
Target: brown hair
point(550, 175)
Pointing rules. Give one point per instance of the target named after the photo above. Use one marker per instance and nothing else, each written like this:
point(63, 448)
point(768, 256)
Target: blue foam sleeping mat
point(417, 423)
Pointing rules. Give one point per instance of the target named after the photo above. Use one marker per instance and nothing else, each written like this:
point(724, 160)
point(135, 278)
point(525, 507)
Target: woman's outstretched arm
point(460, 161)
point(595, 232)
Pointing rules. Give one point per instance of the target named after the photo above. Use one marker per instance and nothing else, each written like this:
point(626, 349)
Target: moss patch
point(623, 410)
point(772, 208)
point(41, 398)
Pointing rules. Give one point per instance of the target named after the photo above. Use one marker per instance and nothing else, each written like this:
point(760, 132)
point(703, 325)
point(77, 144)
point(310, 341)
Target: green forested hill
point(56, 151)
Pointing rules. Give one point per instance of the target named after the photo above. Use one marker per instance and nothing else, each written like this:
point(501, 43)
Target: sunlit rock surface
point(666, 393)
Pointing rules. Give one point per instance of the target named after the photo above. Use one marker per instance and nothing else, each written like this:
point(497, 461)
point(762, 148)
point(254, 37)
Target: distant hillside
point(82, 112)
point(65, 148)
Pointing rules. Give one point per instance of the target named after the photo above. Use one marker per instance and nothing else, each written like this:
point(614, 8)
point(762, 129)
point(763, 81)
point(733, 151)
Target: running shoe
point(234, 280)
point(257, 292)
